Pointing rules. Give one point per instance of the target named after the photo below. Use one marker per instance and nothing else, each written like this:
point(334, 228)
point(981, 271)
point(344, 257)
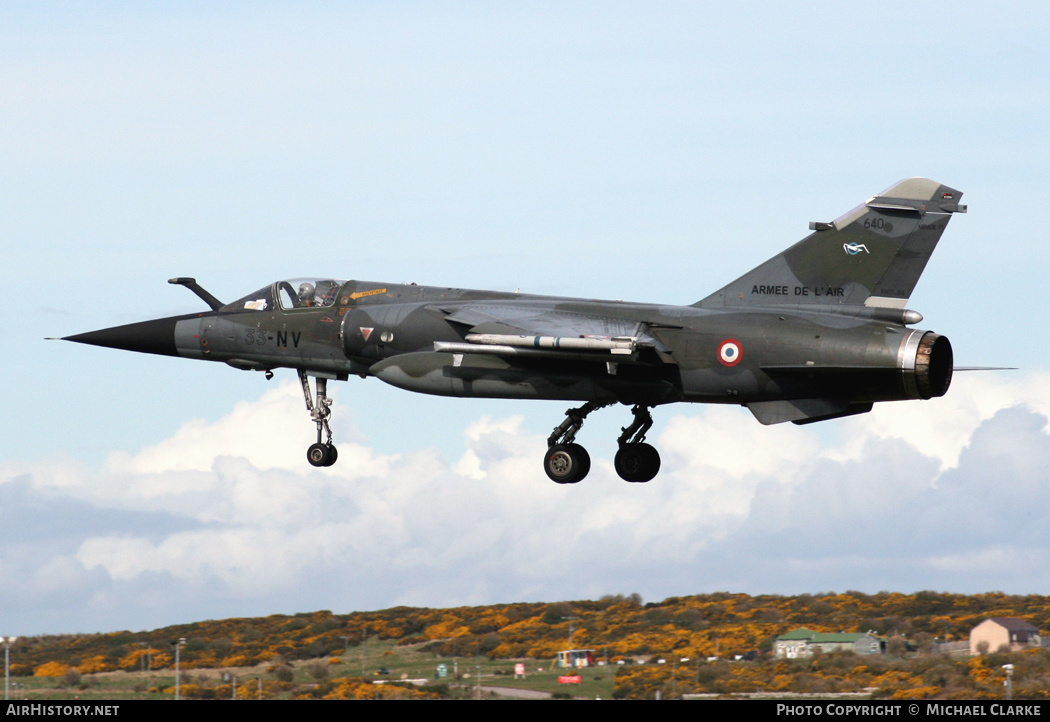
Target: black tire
point(318, 455)
point(333, 454)
point(584, 458)
point(566, 463)
point(637, 462)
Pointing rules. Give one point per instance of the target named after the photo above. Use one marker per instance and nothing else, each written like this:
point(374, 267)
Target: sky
point(644, 151)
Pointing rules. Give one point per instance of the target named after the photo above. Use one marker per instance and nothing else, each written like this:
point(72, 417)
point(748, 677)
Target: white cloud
point(942, 427)
point(231, 515)
point(488, 442)
point(257, 429)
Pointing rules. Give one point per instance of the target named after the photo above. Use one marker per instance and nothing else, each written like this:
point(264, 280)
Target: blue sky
point(645, 151)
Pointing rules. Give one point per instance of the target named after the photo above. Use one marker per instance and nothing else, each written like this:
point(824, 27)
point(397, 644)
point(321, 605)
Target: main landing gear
point(636, 460)
point(319, 454)
point(567, 462)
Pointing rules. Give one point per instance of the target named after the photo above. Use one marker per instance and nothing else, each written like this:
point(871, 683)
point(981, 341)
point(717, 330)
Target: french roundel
point(729, 352)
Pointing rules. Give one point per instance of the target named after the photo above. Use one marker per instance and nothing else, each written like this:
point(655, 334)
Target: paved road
point(514, 692)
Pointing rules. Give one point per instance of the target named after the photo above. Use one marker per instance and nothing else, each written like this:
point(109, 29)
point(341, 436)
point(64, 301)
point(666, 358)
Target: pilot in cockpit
point(306, 294)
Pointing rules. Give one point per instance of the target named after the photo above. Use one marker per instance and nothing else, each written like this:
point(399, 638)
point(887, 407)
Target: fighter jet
point(817, 332)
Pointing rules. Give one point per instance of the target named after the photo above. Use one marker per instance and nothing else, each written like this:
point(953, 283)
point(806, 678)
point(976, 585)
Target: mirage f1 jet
point(818, 332)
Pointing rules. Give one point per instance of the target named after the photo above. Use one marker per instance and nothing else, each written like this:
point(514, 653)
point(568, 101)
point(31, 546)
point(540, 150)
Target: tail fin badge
point(729, 352)
point(854, 248)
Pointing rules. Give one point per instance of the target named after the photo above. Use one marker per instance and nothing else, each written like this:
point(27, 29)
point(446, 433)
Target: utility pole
point(178, 648)
point(363, 630)
point(572, 628)
point(8, 641)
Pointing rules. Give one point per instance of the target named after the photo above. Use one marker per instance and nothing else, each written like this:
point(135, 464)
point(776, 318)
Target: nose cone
point(157, 336)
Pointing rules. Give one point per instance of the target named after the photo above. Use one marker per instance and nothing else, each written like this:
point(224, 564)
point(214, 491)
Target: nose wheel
point(322, 454)
point(320, 408)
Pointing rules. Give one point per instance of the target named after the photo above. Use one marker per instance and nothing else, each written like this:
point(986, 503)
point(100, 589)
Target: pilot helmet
point(306, 291)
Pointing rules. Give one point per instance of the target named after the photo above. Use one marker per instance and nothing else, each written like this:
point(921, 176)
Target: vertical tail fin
point(871, 256)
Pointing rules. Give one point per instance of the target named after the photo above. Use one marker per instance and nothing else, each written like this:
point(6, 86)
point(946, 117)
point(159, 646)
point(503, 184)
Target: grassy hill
point(322, 654)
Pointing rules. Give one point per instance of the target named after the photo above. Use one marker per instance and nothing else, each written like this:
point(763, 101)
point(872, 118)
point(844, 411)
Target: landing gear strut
point(566, 462)
point(637, 461)
point(319, 454)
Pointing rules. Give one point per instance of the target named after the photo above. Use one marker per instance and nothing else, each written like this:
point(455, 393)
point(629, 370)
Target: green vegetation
point(321, 654)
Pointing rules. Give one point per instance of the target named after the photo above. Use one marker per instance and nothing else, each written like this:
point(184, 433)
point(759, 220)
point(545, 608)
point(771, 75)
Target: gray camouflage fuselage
point(817, 332)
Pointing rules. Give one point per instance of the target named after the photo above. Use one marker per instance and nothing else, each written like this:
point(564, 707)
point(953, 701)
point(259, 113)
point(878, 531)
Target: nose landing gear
point(319, 454)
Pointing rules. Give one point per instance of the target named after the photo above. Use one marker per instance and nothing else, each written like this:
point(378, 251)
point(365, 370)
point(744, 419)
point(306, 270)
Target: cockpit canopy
point(290, 295)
